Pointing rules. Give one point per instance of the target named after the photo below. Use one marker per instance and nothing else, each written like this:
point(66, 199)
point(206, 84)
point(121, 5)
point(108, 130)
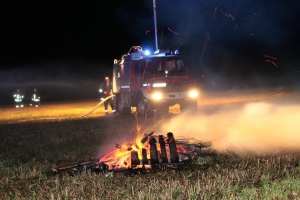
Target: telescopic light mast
point(155, 26)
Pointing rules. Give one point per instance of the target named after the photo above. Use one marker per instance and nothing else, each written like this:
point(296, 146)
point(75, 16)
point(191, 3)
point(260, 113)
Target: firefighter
point(105, 90)
point(18, 99)
point(35, 100)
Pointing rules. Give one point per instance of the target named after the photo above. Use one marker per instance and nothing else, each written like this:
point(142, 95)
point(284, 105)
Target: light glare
point(157, 96)
point(147, 53)
point(193, 94)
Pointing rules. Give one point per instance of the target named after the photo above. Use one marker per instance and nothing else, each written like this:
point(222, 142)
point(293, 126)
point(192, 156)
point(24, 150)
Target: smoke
point(260, 127)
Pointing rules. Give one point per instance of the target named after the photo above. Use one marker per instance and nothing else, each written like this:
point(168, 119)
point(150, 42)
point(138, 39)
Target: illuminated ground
point(208, 103)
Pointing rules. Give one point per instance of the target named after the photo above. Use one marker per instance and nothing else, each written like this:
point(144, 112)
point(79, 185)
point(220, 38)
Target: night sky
point(66, 49)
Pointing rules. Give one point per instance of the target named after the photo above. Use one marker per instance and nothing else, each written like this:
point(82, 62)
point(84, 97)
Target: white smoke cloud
point(259, 127)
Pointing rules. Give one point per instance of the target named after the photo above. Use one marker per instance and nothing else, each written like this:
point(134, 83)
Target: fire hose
point(101, 102)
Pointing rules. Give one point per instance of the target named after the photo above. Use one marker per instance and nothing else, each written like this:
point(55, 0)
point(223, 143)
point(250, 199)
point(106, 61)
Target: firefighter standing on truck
point(18, 99)
point(35, 100)
point(106, 90)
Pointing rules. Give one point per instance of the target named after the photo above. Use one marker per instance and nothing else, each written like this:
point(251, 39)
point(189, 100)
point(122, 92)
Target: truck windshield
point(159, 66)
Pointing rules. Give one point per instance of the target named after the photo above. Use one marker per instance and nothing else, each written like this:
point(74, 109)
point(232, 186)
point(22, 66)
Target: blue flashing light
point(147, 53)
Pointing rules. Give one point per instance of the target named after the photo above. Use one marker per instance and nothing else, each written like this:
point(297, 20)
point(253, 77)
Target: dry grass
point(31, 147)
point(50, 111)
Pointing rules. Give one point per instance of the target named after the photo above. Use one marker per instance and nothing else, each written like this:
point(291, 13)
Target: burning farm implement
point(148, 153)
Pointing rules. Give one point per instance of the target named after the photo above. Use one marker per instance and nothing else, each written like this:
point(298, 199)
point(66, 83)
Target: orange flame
point(120, 157)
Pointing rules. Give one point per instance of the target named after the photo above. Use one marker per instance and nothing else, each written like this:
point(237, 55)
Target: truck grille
point(178, 87)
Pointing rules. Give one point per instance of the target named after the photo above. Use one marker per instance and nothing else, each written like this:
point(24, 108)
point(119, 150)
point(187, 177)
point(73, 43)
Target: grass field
point(33, 139)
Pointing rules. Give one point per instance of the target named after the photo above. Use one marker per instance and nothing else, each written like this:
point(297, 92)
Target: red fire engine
point(152, 83)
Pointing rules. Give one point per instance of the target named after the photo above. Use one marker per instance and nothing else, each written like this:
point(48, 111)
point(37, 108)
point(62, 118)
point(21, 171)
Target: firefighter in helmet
point(105, 90)
point(18, 99)
point(35, 100)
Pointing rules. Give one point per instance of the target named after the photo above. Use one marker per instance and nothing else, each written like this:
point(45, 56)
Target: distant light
point(176, 52)
point(147, 53)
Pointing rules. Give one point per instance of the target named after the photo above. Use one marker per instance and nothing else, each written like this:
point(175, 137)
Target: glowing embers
point(157, 149)
point(150, 151)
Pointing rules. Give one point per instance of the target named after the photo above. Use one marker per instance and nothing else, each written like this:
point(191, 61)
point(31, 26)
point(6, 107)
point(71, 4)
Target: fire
point(121, 156)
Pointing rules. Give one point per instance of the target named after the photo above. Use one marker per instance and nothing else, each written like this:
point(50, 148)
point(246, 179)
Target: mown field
point(33, 139)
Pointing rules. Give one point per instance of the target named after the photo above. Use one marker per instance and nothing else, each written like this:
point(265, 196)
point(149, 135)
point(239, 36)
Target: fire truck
point(151, 83)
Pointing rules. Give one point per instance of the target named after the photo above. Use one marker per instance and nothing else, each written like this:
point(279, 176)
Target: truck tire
point(121, 107)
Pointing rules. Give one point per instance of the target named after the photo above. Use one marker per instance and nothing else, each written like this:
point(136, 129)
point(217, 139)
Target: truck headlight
point(157, 96)
point(193, 94)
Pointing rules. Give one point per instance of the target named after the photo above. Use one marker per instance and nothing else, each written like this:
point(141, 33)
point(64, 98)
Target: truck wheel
point(121, 107)
point(190, 107)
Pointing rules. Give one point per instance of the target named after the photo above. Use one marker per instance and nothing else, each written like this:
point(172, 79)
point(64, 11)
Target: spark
point(180, 46)
point(201, 17)
point(272, 62)
point(203, 76)
point(279, 94)
point(234, 88)
point(172, 31)
point(147, 31)
point(270, 57)
point(215, 12)
point(253, 34)
point(238, 24)
point(204, 47)
point(256, 14)
point(162, 35)
point(236, 9)
point(227, 15)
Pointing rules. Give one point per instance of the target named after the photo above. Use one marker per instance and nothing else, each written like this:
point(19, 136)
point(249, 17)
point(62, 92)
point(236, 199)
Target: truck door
point(116, 78)
point(125, 77)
